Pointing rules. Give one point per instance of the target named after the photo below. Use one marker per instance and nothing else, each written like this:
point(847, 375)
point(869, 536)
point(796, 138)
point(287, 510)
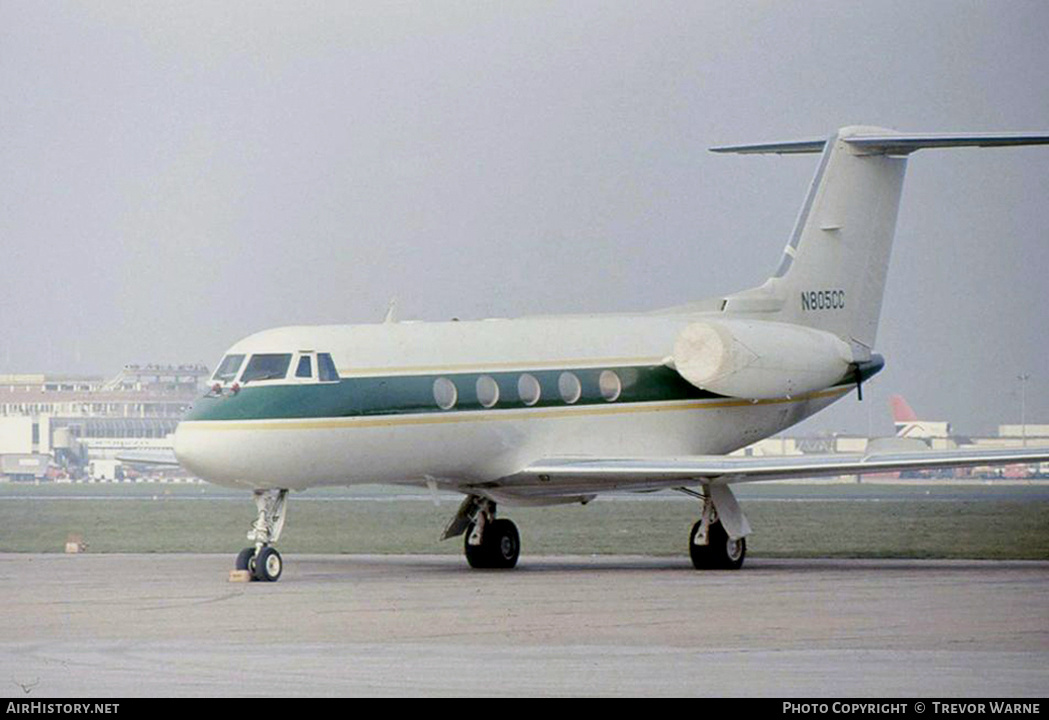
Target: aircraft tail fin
point(909, 426)
point(901, 411)
point(832, 273)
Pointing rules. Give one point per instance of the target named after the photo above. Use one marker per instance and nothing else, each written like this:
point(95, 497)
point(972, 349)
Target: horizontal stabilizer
point(889, 143)
point(791, 147)
point(906, 144)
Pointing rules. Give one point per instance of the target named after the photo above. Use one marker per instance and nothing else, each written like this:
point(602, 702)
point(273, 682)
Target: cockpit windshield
point(266, 367)
point(326, 368)
point(228, 368)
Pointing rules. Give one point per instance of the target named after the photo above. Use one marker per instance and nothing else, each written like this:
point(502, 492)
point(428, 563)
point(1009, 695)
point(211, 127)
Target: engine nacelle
point(758, 359)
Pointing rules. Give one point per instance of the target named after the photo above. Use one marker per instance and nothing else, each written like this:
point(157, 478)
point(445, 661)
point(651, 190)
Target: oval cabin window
point(445, 393)
point(569, 387)
point(610, 385)
point(487, 391)
point(528, 389)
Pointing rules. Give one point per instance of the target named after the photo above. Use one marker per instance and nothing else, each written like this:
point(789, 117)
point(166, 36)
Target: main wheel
point(268, 565)
point(720, 552)
point(499, 549)
point(505, 544)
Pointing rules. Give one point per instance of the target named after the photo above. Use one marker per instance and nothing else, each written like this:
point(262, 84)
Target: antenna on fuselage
point(391, 312)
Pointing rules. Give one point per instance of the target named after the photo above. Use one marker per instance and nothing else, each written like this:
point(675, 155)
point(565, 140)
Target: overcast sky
point(175, 176)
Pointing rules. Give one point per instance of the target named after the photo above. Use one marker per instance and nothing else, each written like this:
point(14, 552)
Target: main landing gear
point(262, 560)
point(717, 541)
point(490, 543)
point(712, 545)
point(720, 553)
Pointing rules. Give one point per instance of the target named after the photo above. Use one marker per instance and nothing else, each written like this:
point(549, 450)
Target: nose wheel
point(268, 565)
point(265, 566)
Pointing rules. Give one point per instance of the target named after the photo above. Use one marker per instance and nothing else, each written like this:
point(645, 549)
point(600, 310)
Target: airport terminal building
point(73, 427)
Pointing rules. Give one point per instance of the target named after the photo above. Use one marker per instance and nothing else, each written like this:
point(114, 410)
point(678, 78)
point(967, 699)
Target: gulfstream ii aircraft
point(547, 410)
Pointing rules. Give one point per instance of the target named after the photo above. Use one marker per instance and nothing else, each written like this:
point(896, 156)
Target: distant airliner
point(909, 426)
point(548, 410)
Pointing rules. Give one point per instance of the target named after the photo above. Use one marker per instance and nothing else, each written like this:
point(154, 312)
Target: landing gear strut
point(490, 543)
point(263, 561)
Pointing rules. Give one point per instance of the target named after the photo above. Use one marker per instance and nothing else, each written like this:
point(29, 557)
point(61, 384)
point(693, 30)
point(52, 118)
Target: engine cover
point(758, 359)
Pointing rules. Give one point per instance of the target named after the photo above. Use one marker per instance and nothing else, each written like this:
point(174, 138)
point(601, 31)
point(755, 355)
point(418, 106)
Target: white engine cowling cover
point(758, 359)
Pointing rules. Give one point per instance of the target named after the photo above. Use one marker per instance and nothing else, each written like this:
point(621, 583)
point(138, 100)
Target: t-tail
point(832, 273)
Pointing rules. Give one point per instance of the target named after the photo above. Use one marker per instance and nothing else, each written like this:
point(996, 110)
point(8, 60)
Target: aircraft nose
point(193, 453)
point(183, 449)
point(222, 458)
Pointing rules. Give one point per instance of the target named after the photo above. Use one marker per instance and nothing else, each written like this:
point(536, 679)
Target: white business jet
point(547, 410)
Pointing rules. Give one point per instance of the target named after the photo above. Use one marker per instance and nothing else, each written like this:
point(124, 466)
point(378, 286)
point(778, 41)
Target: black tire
point(720, 553)
point(504, 544)
point(499, 549)
point(700, 554)
point(268, 565)
point(246, 560)
point(476, 555)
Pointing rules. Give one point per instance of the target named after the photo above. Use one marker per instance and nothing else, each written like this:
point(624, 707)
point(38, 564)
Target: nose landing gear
point(262, 560)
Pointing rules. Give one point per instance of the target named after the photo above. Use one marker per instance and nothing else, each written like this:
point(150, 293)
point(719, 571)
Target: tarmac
point(80, 626)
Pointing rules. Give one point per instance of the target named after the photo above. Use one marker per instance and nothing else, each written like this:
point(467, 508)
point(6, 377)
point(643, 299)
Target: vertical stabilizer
point(832, 273)
point(909, 426)
point(901, 410)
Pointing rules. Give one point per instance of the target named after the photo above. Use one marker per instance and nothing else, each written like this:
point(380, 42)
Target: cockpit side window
point(305, 368)
point(266, 367)
point(228, 368)
point(326, 368)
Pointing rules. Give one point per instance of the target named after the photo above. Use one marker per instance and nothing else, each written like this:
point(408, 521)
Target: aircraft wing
point(164, 457)
point(584, 476)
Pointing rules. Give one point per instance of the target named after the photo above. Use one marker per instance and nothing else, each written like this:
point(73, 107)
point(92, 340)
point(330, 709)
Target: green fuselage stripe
point(414, 394)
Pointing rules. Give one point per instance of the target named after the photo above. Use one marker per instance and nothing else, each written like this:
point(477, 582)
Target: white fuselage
point(382, 421)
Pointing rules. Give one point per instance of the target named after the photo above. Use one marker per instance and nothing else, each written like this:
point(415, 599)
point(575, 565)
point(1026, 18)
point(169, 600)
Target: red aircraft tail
point(901, 411)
